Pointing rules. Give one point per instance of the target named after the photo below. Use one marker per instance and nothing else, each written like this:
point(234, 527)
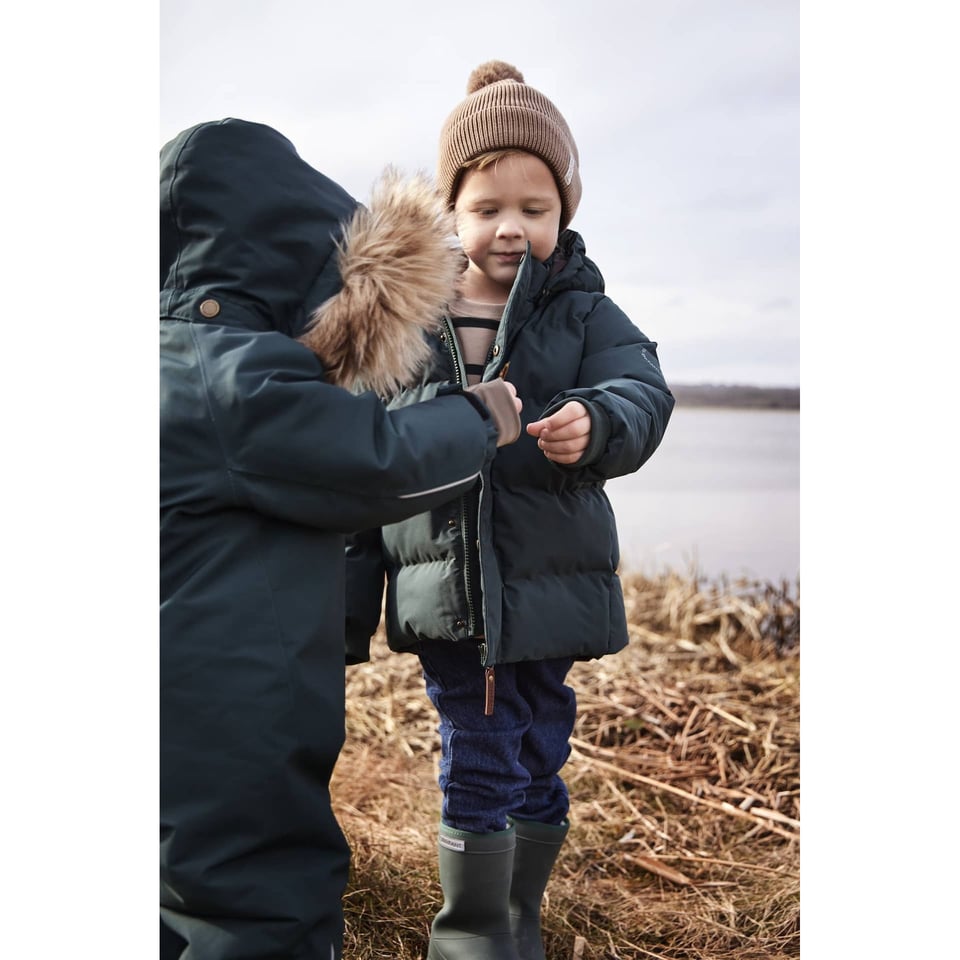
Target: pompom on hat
point(502, 112)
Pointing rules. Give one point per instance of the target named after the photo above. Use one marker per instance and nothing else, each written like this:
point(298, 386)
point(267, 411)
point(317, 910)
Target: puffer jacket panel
point(541, 538)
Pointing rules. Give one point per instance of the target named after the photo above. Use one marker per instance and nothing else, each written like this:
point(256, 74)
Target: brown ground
point(684, 781)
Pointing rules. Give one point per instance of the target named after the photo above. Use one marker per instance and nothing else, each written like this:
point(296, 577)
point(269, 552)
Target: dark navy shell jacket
point(529, 560)
point(264, 468)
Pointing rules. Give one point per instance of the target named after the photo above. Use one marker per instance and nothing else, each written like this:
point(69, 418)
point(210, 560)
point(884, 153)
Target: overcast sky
point(685, 113)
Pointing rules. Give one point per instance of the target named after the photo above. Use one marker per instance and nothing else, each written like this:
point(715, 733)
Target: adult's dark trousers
point(253, 863)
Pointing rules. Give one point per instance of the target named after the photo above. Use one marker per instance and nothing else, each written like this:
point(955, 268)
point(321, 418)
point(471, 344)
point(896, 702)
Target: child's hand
point(565, 434)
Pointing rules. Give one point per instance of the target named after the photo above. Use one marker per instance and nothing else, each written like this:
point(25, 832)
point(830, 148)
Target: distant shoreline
point(736, 395)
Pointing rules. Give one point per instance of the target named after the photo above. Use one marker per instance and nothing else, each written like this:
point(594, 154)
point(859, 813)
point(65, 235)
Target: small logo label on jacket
point(451, 843)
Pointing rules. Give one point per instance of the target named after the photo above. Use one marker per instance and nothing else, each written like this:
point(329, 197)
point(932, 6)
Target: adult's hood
point(253, 236)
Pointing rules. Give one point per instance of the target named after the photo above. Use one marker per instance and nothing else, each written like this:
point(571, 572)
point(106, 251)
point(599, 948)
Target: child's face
point(498, 209)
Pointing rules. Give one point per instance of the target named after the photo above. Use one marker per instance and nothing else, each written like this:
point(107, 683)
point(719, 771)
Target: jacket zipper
point(464, 526)
point(467, 571)
point(489, 679)
point(489, 673)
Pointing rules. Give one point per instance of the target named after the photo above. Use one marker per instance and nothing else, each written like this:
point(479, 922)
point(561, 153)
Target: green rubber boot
point(537, 847)
point(475, 872)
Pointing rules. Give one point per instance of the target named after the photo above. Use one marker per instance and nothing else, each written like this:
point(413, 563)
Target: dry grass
point(684, 781)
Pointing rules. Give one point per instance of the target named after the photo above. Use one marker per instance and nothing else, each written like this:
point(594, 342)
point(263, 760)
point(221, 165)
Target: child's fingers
point(553, 446)
point(560, 420)
point(571, 431)
point(563, 457)
point(578, 431)
point(568, 456)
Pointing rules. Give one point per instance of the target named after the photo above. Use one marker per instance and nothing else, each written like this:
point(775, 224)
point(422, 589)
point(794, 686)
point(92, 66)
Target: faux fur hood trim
point(399, 261)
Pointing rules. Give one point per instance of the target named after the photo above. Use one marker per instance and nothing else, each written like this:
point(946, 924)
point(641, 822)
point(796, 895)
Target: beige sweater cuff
point(498, 399)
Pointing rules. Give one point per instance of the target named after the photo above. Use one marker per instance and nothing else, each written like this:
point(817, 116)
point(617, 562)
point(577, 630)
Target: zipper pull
point(490, 684)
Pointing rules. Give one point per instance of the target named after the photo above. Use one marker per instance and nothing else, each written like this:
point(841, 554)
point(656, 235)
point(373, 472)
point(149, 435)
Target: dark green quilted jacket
point(528, 559)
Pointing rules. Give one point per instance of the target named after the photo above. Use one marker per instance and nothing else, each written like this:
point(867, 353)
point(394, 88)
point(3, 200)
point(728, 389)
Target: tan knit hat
point(502, 112)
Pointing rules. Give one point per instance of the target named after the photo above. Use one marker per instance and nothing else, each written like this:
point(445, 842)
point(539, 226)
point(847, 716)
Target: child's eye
point(533, 212)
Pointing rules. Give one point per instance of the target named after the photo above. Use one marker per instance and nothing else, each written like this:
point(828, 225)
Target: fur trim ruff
point(399, 260)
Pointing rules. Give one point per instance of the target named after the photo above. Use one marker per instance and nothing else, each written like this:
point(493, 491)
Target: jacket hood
point(245, 221)
point(276, 245)
point(569, 268)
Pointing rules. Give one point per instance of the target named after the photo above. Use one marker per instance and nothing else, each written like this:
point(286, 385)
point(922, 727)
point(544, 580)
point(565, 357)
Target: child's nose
point(509, 227)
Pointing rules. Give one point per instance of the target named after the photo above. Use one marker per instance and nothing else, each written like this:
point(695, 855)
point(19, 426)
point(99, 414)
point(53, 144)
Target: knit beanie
point(502, 112)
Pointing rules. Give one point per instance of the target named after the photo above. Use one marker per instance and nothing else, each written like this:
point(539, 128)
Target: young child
point(501, 590)
point(277, 291)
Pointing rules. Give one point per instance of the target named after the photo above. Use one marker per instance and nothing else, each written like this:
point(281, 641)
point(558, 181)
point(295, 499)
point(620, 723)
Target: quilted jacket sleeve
point(621, 384)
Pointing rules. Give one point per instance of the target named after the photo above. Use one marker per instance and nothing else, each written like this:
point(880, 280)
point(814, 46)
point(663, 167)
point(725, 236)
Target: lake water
point(721, 493)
